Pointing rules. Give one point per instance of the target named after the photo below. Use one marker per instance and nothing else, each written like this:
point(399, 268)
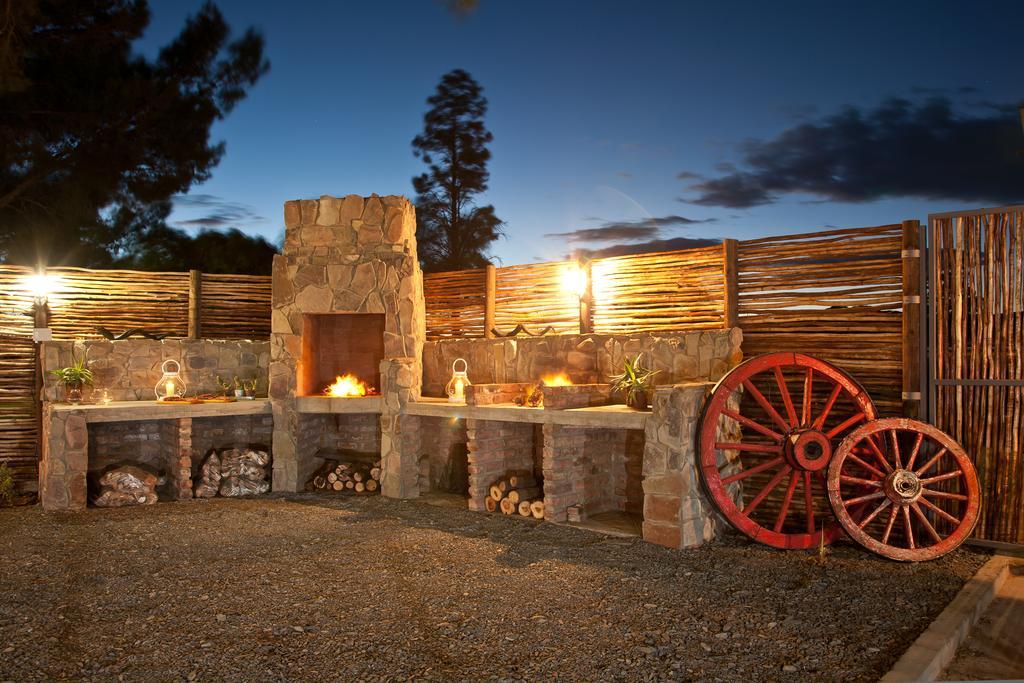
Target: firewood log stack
point(233, 472)
point(127, 485)
point(346, 477)
point(517, 493)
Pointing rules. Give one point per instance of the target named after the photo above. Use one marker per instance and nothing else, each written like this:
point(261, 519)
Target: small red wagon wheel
point(912, 490)
point(769, 429)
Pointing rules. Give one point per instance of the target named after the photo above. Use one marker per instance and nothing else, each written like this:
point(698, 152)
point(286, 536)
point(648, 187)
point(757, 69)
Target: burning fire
point(347, 385)
point(559, 380)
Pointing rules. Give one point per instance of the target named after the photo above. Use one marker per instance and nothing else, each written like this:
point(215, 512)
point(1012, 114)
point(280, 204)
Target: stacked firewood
point(233, 472)
point(516, 493)
point(127, 485)
point(346, 477)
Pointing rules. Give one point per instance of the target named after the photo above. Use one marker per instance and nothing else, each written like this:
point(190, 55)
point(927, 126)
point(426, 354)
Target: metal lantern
point(171, 385)
point(456, 388)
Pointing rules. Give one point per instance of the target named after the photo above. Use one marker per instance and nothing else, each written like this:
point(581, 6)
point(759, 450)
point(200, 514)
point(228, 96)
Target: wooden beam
point(911, 257)
point(729, 271)
point(587, 300)
point(490, 287)
point(195, 298)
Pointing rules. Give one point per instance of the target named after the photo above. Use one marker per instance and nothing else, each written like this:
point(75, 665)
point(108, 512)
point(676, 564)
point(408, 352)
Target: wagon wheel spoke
point(843, 426)
point(873, 470)
point(942, 477)
point(820, 421)
point(756, 426)
point(765, 405)
point(888, 524)
point(925, 523)
point(879, 455)
point(907, 526)
point(805, 418)
point(896, 448)
point(786, 399)
point(870, 518)
point(914, 451)
point(759, 498)
point(793, 479)
point(739, 476)
point(928, 465)
point(939, 511)
point(943, 494)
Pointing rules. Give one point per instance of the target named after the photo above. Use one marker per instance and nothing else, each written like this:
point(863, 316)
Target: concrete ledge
point(598, 417)
point(339, 406)
point(934, 649)
point(130, 411)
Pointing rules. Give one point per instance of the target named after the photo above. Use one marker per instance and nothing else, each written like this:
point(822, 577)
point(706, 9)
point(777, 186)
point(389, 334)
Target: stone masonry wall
point(344, 255)
point(130, 368)
point(676, 512)
point(681, 357)
point(65, 459)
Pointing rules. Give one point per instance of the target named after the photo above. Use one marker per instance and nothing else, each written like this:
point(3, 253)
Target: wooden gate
point(976, 337)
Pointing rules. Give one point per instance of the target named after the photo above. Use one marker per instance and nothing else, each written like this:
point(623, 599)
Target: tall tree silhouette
point(453, 232)
point(95, 139)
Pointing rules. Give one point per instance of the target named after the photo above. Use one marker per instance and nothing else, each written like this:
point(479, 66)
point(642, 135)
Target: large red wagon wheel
point(913, 489)
point(769, 429)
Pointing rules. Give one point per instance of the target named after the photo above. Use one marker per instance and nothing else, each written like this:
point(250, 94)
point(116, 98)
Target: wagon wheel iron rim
point(919, 487)
point(805, 406)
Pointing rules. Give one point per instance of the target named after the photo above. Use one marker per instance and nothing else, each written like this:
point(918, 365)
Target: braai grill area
point(352, 379)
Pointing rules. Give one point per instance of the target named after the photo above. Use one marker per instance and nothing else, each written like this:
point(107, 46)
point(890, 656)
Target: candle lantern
point(456, 388)
point(171, 385)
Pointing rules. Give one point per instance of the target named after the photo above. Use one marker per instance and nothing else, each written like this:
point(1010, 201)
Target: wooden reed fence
point(837, 295)
point(176, 304)
point(976, 387)
point(19, 417)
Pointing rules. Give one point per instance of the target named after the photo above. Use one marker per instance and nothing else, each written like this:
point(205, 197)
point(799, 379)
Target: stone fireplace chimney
point(347, 299)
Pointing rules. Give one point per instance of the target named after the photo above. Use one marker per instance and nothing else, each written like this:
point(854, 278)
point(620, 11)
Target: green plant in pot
point(249, 387)
point(634, 382)
point(74, 378)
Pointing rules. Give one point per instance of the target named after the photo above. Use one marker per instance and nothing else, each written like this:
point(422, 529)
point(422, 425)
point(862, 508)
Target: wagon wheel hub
point(902, 487)
point(807, 450)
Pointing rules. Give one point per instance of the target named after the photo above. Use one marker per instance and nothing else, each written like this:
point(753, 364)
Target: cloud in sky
point(209, 211)
point(925, 150)
point(652, 246)
point(614, 231)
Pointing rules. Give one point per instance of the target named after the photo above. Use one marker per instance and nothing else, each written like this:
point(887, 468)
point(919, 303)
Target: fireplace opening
point(341, 353)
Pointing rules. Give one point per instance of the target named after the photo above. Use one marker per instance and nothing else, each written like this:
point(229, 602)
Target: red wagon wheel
point(912, 489)
point(769, 429)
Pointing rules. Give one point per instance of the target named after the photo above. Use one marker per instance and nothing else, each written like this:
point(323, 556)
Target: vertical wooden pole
point(490, 288)
point(195, 298)
point(587, 300)
point(729, 272)
point(911, 257)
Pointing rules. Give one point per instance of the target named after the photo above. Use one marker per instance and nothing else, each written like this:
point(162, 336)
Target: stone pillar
point(676, 512)
point(399, 439)
point(65, 460)
point(178, 435)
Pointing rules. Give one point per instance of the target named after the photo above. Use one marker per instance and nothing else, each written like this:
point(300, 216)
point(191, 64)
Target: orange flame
point(347, 385)
point(559, 380)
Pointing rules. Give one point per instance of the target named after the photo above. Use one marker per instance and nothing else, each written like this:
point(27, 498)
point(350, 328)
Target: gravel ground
point(306, 587)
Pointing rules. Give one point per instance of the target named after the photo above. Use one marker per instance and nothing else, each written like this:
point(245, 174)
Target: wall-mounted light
point(40, 285)
point(574, 280)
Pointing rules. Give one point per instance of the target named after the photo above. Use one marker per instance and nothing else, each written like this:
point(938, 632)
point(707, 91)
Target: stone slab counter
point(130, 368)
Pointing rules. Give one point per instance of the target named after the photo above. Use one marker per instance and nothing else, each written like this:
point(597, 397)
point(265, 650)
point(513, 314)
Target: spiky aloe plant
point(634, 378)
point(76, 374)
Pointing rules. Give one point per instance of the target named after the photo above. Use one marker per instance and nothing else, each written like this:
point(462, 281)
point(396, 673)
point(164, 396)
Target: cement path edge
point(934, 649)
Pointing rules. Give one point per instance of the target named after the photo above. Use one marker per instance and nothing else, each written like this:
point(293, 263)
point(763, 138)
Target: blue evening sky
point(595, 107)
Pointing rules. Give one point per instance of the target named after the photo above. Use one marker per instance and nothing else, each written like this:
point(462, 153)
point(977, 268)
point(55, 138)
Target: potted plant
point(249, 387)
point(74, 378)
point(634, 382)
point(224, 385)
point(239, 390)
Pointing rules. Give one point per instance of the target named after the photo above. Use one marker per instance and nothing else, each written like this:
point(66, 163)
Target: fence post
point(195, 298)
point(911, 259)
point(729, 272)
point(490, 287)
point(587, 300)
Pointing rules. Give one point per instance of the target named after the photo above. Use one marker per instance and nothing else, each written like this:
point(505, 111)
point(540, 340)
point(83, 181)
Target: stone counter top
point(127, 411)
point(337, 405)
point(597, 417)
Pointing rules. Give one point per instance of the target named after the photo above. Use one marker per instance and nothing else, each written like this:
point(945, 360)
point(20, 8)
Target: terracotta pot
point(638, 400)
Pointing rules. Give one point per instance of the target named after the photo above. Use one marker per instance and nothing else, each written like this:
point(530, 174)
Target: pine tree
point(453, 233)
point(94, 138)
